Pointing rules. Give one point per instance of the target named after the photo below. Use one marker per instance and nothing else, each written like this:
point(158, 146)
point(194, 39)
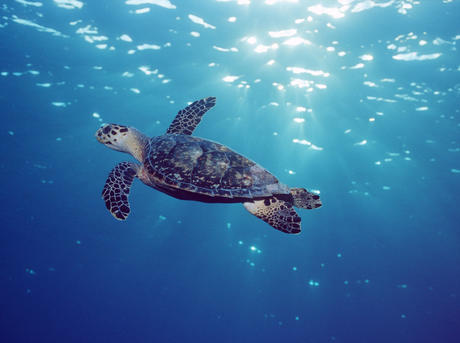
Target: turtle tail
point(304, 199)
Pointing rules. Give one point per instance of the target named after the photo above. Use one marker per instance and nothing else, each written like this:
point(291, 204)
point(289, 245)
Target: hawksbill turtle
point(193, 168)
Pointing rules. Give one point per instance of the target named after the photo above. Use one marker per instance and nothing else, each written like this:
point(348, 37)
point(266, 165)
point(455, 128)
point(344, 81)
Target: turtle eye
point(106, 129)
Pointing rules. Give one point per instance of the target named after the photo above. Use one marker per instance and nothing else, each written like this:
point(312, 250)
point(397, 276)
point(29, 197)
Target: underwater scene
point(292, 166)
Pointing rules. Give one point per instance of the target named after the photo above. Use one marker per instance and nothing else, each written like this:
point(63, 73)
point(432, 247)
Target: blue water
point(357, 100)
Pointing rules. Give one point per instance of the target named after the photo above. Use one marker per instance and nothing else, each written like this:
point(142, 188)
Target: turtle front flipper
point(277, 213)
point(116, 189)
point(187, 119)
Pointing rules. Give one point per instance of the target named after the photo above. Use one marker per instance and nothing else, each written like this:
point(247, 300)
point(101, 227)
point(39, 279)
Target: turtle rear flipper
point(277, 213)
point(116, 189)
point(304, 199)
point(188, 118)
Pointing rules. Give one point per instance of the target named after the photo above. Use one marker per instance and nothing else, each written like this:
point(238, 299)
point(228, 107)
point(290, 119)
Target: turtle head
point(122, 138)
point(113, 136)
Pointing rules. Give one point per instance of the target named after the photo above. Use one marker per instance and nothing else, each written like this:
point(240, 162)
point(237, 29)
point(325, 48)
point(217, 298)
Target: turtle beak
point(100, 134)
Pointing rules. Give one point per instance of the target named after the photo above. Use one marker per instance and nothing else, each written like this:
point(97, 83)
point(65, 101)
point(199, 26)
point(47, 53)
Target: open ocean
point(358, 100)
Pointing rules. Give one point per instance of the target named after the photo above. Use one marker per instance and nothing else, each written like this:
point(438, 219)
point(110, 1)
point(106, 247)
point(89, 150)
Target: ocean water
point(355, 99)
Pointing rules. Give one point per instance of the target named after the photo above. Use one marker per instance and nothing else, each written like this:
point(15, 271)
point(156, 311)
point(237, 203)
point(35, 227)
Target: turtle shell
point(186, 164)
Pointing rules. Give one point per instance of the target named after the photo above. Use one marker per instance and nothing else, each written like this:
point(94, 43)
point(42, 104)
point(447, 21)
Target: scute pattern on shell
point(193, 164)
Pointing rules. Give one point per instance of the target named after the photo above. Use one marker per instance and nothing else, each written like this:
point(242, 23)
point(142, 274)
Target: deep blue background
point(384, 248)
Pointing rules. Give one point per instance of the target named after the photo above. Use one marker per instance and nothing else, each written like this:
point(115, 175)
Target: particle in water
point(30, 271)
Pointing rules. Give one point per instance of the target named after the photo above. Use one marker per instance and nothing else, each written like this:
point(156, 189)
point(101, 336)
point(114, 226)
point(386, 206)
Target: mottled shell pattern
point(191, 164)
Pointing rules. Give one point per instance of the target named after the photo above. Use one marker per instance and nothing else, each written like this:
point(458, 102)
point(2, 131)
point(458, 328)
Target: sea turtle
point(192, 168)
